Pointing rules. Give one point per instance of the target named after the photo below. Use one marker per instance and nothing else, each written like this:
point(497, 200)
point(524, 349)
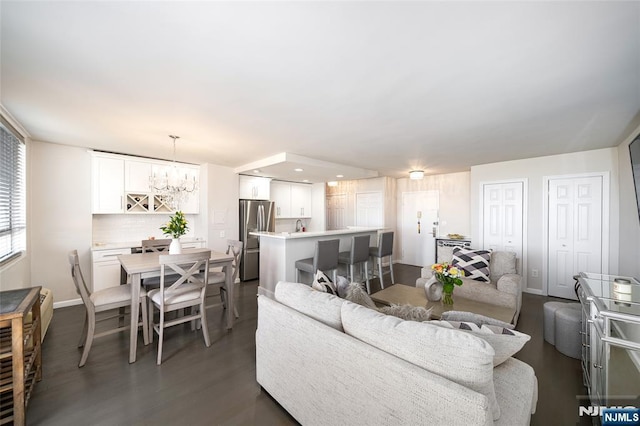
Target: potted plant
point(449, 276)
point(176, 227)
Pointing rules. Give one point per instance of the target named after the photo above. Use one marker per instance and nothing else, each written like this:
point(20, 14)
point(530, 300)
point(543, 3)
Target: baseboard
point(66, 303)
point(533, 291)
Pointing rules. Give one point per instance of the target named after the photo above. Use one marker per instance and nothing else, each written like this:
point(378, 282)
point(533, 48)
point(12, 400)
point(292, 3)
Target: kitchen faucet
point(298, 225)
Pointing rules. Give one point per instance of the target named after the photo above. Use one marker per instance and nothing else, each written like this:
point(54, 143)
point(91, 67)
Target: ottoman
point(550, 309)
point(567, 332)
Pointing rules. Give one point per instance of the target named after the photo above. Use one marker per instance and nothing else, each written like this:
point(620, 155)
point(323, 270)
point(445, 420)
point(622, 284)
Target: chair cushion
point(183, 293)
point(474, 263)
point(305, 265)
point(505, 342)
point(120, 293)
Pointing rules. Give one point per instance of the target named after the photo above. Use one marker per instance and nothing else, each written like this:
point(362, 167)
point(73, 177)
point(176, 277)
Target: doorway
point(577, 238)
point(419, 227)
point(336, 211)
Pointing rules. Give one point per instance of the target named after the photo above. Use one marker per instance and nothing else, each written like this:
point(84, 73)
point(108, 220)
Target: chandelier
point(172, 185)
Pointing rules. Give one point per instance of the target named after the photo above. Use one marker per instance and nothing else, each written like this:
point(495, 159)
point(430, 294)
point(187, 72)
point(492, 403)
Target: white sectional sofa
point(328, 361)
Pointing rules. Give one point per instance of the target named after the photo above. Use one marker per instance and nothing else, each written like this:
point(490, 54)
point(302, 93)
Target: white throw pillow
point(323, 283)
point(505, 342)
point(460, 357)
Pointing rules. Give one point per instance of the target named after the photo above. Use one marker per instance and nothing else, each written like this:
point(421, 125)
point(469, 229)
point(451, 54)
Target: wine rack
point(138, 203)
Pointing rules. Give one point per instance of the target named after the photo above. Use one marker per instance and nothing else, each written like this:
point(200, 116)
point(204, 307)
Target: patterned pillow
point(505, 342)
point(474, 263)
point(322, 283)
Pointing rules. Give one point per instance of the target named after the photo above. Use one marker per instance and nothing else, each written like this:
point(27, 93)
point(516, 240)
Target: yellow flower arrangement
point(449, 276)
point(177, 225)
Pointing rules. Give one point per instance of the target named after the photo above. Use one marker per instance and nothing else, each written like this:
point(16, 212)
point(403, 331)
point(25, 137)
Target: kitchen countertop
point(129, 244)
point(297, 235)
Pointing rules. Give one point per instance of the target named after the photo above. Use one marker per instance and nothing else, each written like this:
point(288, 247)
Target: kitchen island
point(279, 252)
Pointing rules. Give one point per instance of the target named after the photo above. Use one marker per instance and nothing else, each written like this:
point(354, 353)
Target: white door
point(418, 240)
point(503, 218)
point(336, 211)
point(575, 232)
point(369, 208)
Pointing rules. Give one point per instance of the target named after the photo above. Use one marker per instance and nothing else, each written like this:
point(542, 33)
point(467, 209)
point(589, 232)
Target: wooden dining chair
point(118, 296)
point(154, 246)
point(217, 279)
point(188, 291)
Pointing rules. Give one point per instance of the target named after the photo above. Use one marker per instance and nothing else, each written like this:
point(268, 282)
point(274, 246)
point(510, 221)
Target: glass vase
point(447, 298)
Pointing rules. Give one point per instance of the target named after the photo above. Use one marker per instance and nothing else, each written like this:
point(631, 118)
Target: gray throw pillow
point(356, 294)
point(407, 312)
point(477, 319)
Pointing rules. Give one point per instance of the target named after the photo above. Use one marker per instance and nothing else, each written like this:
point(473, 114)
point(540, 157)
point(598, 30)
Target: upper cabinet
point(292, 200)
point(254, 188)
point(122, 184)
point(107, 180)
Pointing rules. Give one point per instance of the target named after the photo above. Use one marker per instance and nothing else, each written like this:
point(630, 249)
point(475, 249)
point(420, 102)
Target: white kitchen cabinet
point(107, 184)
point(254, 188)
point(292, 200)
point(105, 268)
point(136, 176)
point(281, 196)
point(300, 200)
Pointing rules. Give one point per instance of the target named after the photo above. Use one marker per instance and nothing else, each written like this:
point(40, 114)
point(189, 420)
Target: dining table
point(143, 265)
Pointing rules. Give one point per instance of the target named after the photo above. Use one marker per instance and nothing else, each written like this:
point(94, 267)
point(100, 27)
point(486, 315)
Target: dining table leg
point(230, 296)
point(135, 305)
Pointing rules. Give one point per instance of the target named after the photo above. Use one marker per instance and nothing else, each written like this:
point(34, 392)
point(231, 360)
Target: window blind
point(13, 221)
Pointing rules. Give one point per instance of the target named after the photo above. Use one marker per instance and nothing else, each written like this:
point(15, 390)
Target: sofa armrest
point(510, 283)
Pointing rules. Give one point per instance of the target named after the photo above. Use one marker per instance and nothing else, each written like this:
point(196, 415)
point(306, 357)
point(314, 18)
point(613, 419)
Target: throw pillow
point(477, 319)
point(474, 263)
point(505, 342)
point(342, 285)
point(356, 294)
point(322, 283)
point(407, 312)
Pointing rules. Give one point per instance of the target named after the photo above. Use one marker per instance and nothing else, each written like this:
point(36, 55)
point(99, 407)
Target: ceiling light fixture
point(257, 171)
point(298, 170)
point(339, 176)
point(332, 183)
point(416, 174)
point(170, 186)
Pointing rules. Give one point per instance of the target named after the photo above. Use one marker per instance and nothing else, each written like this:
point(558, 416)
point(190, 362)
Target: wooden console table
point(20, 351)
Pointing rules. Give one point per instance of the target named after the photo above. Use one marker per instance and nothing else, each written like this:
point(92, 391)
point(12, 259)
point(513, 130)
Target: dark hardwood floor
point(216, 385)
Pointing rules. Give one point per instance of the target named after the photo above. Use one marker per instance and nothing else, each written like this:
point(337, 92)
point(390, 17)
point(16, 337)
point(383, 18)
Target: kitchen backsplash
point(114, 228)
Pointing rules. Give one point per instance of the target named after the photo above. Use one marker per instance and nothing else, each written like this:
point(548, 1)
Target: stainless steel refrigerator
point(255, 216)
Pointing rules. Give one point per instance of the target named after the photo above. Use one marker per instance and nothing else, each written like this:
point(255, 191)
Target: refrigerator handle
point(260, 218)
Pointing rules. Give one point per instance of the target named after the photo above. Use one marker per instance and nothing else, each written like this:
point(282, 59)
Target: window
point(13, 222)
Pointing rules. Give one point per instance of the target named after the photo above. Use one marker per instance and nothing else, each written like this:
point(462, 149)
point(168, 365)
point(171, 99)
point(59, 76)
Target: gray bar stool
point(384, 249)
point(324, 259)
point(358, 255)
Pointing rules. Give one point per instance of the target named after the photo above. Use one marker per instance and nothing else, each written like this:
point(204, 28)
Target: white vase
point(175, 247)
point(433, 289)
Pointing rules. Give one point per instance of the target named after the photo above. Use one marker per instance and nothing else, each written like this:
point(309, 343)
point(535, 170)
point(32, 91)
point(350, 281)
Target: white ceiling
point(382, 86)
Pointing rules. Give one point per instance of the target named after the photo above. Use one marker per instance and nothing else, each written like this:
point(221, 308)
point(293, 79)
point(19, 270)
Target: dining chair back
point(187, 291)
point(118, 296)
point(217, 279)
point(156, 245)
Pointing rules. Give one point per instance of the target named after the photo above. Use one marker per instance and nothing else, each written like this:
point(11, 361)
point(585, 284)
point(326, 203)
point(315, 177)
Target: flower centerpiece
point(176, 227)
point(449, 276)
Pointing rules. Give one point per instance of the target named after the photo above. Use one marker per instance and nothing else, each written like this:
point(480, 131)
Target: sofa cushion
point(502, 262)
point(460, 357)
point(474, 263)
point(505, 342)
point(321, 282)
point(323, 307)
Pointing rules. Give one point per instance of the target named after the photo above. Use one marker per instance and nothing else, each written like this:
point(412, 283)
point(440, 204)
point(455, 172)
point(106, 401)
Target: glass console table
point(610, 338)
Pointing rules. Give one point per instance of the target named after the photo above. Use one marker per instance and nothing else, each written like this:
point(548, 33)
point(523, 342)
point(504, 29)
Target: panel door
point(418, 241)
point(575, 232)
point(369, 209)
point(336, 211)
point(503, 218)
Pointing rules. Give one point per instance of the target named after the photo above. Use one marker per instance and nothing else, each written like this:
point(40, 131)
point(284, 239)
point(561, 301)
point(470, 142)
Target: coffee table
point(400, 294)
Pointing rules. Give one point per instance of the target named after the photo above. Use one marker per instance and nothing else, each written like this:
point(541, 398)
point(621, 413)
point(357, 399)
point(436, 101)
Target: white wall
point(629, 259)
point(535, 169)
point(219, 207)
point(60, 209)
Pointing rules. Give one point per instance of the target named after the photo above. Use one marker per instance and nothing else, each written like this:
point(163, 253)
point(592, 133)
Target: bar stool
point(324, 259)
point(358, 255)
point(384, 248)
